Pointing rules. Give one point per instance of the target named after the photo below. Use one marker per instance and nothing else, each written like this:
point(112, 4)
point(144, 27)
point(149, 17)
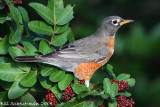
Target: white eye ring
point(115, 22)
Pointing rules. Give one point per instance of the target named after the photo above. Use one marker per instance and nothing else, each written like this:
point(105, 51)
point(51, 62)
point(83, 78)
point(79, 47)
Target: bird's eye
point(115, 22)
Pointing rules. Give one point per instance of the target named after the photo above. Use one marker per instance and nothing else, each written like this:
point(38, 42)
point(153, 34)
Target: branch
point(18, 46)
point(51, 42)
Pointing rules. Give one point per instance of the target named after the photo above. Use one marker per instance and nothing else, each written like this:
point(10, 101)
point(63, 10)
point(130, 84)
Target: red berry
point(68, 93)
point(123, 102)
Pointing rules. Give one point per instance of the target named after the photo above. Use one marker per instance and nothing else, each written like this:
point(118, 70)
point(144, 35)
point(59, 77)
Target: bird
point(85, 56)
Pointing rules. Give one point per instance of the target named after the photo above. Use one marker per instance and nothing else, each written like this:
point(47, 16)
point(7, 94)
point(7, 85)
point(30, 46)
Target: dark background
point(137, 45)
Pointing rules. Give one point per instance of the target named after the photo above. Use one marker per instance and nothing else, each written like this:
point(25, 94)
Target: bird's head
point(111, 24)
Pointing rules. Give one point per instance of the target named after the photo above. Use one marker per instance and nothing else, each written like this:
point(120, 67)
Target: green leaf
point(14, 51)
point(105, 96)
point(46, 71)
point(45, 82)
point(2, 19)
point(114, 90)
point(30, 79)
point(5, 85)
point(71, 36)
point(16, 89)
point(66, 80)
point(38, 39)
point(28, 99)
point(56, 6)
point(4, 45)
point(131, 82)
point(44, 12)
point(75, 104)
point(61, 39)
point(61, 29)
point(112, 103)
point(78, 88)
point(107, 85)
point(44, 48)
point(15, 13)
point(110, 68)
point(40, 27)
point(15, 37)
point(121, 77)
point(5, 60)
point(29, 49)
point(65, 15)
point(9, 72)
point(25, 18)
point(57, 76)
point(127, 94)
point(56, 92)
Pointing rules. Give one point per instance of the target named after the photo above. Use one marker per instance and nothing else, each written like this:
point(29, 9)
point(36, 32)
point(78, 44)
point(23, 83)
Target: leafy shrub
point(22, 82)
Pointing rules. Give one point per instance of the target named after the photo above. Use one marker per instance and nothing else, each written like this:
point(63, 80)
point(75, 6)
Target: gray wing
point(85, 50)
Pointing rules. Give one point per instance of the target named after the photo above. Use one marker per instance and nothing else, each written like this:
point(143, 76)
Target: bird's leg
point(88, 89)
point(87, 84)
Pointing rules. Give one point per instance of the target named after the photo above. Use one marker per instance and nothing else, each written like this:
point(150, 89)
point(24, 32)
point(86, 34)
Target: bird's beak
point(125, 22)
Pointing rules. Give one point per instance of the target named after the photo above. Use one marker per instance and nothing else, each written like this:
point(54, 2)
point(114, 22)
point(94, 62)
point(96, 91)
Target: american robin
point(84, 56)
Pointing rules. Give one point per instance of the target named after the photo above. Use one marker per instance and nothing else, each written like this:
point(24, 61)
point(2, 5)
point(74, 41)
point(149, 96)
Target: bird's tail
point(28, 59)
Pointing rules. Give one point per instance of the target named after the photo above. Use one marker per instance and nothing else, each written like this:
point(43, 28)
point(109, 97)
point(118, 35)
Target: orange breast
point(86, 70)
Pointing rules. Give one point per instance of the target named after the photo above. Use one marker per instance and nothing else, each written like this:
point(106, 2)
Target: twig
point(51, 42)
point(18, 46)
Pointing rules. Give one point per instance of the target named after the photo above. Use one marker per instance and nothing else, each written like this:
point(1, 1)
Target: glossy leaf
point(61, 29)
point(37, 88)
point(122, 76)
point(2, 20)
point(15, 13)
point(44, 47)
point(114, 90)
point(65, 15)
point(45, 82)
point(57, 76)
point(77, 88)
point(28, 98)
point(56, 6)
point(25, 17)
point(40, 27)
point(66, 80)
point(16, 89)
point(29, 49)
point(71, 36)
point(30, 79)
point(107, 85)
point(61, 39)
point(44, 12)
point(110, 68)
point(4, 45)
point(112, 103)
point(14, 51)
point(46, 71)
point(131, 82)
point(15, 37)
point(9, 72)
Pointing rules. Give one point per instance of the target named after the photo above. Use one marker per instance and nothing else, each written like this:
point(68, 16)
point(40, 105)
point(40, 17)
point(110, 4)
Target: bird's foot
point(89, 89)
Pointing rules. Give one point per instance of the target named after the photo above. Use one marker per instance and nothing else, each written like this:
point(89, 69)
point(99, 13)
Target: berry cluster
point(14, 2)
point(68, 93)
point(100, 106)
point(81, 81)
point(122, 84)
point(52, 100)
point(123, 102)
